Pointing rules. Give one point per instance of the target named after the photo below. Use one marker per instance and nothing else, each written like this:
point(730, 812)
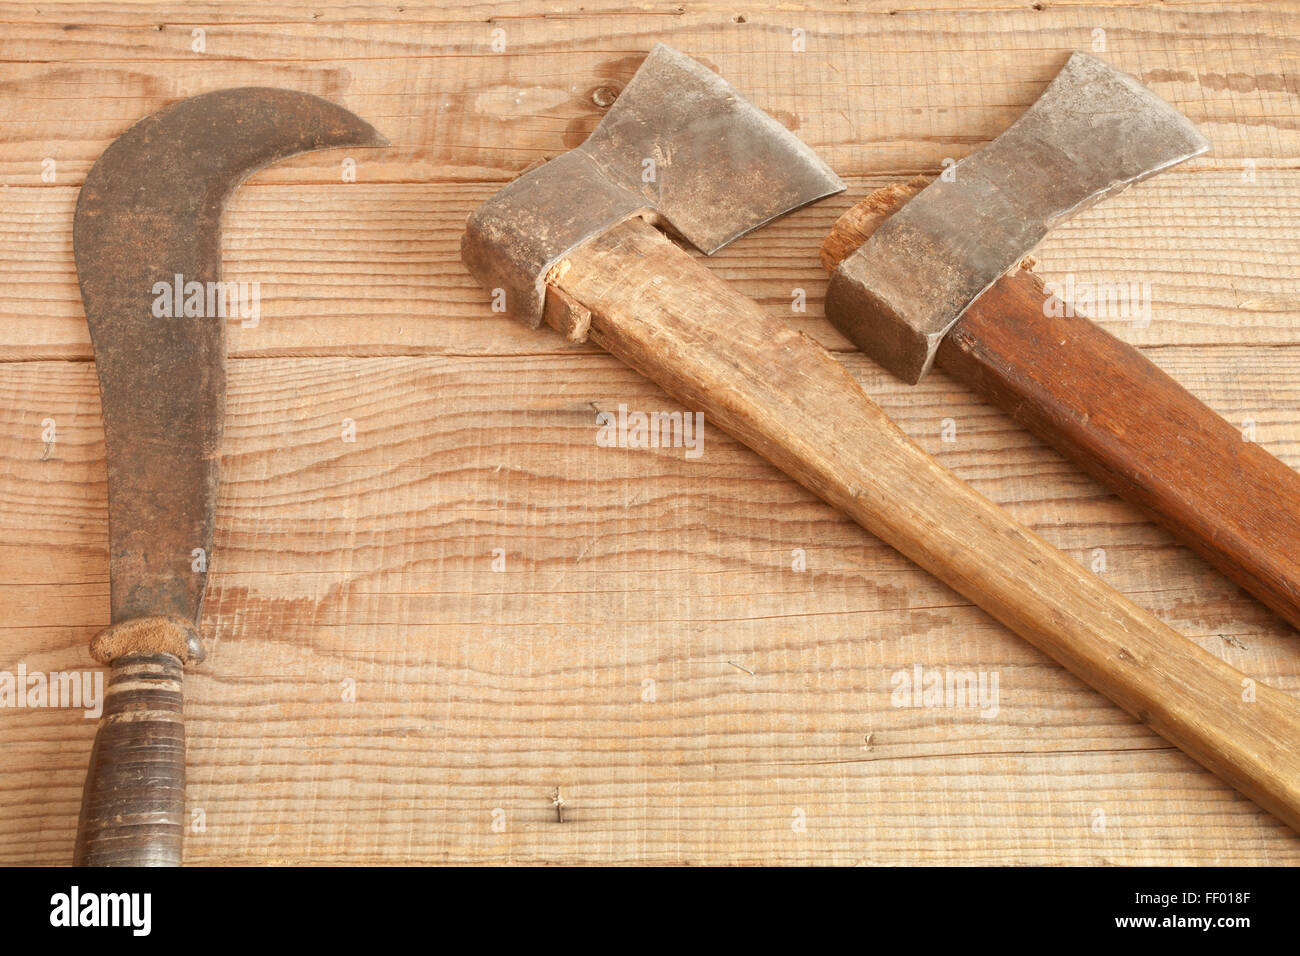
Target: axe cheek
point(884, 333)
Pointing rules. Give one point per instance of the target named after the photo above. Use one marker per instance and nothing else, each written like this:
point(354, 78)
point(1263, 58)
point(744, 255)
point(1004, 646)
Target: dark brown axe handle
point(652, 305)
point(1103, 404)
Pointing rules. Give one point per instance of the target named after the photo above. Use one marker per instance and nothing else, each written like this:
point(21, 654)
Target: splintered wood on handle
point(652, 305)
point(1106, 406)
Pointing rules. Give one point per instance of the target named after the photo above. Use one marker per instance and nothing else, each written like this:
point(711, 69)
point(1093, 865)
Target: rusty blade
point(150, 211)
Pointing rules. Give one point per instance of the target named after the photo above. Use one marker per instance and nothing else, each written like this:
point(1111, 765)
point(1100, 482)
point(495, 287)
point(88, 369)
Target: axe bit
point(149, 215)
point(937, 281)
point(569, 244)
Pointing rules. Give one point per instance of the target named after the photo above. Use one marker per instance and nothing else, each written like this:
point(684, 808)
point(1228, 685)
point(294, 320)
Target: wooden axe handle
point(653, 306)
point(1102, 403)
point(133, 805)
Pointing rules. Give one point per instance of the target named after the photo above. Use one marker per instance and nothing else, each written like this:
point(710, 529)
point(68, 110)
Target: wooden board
point(648, 647)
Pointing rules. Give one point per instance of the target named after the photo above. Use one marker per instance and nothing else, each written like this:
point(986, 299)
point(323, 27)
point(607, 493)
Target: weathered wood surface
point(1111, 410)
point(768, 385)
point(369, 564)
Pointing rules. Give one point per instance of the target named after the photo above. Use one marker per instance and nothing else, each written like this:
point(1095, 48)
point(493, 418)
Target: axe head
point(1092, 134)
point(679, 147)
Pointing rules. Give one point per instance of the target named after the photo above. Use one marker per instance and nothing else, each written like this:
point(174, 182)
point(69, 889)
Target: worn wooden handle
point(652, 305)
point(133, 806)
point(1103, 404)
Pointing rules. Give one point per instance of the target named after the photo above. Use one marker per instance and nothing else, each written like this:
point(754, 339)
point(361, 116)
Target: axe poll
point(931, 274)
point(149, 214)
point(574, 244)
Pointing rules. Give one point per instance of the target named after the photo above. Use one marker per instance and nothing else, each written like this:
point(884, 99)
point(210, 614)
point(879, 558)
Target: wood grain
point(1113, 412)
point(374, 269)
point(478, 690)
point(909, 89)
point(762, 382)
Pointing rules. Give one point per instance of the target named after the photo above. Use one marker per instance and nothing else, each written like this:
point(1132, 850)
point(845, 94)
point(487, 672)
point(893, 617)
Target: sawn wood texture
point(1112, 411)
point(768, 385)
point(376, 692)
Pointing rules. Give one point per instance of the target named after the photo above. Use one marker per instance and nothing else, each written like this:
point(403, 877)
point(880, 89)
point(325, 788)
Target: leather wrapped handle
point(133, 806)
point(1107, 407)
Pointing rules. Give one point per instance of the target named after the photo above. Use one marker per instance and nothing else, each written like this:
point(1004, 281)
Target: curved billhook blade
point(149, 218)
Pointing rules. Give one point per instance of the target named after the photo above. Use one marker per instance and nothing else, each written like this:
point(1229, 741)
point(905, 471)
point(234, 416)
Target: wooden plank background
point(648, 648)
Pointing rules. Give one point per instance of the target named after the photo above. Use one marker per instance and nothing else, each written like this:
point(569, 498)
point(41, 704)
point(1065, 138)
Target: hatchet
point(936, 279)
point(574, 244)
point(148, 221)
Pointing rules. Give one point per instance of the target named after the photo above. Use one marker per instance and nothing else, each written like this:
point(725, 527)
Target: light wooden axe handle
point(652, 305)
point(1102, 403)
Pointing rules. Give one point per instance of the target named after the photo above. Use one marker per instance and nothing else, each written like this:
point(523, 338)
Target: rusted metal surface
point(1093, 133)
point(149, 218)
point(149, 211)
point(679, 146)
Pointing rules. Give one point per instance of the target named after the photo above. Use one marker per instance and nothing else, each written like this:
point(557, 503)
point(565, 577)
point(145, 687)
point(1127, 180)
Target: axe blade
point(1092, 134)
point(680, 147)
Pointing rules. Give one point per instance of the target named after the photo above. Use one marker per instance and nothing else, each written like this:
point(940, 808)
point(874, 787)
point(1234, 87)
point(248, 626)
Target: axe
point(937, 279)
point(149, 218)
point(574, 244)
